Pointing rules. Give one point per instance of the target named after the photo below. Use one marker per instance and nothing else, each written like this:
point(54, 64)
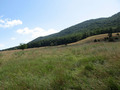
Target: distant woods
point(73, 38)
point(80, 31)
point(64, 40)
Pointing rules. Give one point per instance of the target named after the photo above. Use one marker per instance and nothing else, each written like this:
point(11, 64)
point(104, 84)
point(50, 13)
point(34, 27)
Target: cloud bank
point(13, 38)
point(36, 32)
point(9, 23)
point(2, 45)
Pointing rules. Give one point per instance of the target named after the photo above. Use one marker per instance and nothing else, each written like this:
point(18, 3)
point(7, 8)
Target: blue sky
point(23, 20)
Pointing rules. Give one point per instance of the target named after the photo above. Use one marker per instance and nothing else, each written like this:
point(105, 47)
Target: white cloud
point(9, 23)
point(2, 45)
point(36, 32)
point(25, 31)
point(13, 38)
point(2, 21)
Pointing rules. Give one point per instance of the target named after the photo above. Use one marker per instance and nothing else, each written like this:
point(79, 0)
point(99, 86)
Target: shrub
point(105, 38)
point(110, 35)
point(98, 40)
point(116, 38)
point(111, 39)
point(117, 34)
point(95, 40)
point(23, 46)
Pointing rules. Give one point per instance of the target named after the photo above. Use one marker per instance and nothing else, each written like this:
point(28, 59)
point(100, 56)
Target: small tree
point(95, 40)
point(117, 34)
point(51, 44)
point(23, 46)
point(98, 40)
point(66, 44)
point(111, 39)
point(110, 35)
point(105, 38)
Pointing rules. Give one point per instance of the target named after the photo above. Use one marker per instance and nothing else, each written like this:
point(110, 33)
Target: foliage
point(95, 40)
point(80, 31)
point(23, 46)
point(111, 39)
point(118, 34)
point(110, 35)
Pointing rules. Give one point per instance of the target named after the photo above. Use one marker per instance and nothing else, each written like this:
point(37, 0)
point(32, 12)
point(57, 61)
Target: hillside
point(100, 37)
point(90, 25)
point(86, 66)
point(78, 32)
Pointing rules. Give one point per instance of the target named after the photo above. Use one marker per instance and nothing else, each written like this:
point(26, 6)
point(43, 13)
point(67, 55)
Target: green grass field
point(93, 66)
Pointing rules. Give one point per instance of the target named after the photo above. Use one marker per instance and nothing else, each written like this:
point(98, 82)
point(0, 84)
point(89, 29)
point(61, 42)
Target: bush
point(95, 40)
point(98, 40)
point(105, 38)
point(110, 35)
point(111, 39)
point(116, 38)
point(117, 34)
point(23, 46)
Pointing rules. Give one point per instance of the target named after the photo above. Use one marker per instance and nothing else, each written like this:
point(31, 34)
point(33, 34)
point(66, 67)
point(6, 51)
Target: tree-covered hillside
point(79, 32)
point(90, 25)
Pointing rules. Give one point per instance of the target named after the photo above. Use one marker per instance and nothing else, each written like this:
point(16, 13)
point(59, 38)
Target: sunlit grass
point(93, 66)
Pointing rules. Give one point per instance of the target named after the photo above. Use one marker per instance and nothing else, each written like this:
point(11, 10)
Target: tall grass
point(78, 67)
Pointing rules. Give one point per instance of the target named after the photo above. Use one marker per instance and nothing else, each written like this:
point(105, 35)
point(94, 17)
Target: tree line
point(66, 39)
point(70, 38)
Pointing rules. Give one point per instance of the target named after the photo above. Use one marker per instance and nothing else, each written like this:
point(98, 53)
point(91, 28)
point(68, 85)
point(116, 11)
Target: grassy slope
point(93, 66)
point(92, 38)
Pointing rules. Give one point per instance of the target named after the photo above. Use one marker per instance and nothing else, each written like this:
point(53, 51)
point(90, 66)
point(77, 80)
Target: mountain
point(89, 25)
point(78, 32)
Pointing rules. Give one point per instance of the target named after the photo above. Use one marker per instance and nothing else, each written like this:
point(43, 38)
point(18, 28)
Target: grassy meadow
point(92, 66)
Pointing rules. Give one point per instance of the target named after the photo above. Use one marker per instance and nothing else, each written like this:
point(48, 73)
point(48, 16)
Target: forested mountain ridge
point(89, 25)
point(78, 32)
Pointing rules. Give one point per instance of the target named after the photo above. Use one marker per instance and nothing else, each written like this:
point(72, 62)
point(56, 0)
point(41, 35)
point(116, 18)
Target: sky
point(24, 20)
